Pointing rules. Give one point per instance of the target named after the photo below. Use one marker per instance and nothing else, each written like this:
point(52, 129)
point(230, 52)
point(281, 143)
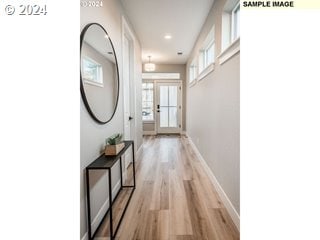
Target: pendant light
point(149, 67)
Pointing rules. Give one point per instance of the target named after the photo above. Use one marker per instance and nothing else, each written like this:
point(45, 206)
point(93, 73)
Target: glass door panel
point(164, 117)
point(173, 120)
point(173, 96)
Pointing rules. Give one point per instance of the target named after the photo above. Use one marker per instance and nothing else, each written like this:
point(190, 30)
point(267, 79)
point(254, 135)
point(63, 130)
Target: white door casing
point(128, 88)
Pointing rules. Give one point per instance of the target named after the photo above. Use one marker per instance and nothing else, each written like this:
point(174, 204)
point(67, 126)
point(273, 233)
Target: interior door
point(128, 119)
point(168, 107)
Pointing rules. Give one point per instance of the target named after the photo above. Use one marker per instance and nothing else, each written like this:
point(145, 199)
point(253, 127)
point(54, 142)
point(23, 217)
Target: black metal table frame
point(118, 157)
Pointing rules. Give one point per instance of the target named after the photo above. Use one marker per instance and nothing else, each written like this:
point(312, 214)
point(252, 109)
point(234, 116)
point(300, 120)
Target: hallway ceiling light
point(167, 36)
point(149, 67)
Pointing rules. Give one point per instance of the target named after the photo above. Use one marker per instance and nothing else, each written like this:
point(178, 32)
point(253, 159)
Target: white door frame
point(156, 99)
point(127, 33)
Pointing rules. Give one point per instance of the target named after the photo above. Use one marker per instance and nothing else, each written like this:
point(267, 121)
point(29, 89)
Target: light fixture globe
point(149, 67)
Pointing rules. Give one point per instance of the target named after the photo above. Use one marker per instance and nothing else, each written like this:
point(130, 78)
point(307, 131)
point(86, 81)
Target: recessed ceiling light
point(167, 36)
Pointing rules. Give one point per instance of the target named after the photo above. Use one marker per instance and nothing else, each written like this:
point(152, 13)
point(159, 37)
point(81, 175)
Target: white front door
point(168, 107)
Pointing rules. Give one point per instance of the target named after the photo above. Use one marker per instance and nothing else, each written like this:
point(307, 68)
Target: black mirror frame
point(83, 95)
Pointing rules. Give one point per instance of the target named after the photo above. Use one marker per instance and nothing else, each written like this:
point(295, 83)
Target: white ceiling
point(153, 19)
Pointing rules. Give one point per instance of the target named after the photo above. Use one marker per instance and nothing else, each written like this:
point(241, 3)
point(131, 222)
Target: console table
point(106, 163)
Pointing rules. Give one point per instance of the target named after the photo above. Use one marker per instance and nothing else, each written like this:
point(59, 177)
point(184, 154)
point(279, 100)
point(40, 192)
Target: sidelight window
point(147, 101)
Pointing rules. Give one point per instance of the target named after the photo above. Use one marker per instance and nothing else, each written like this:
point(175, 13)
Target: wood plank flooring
point(174, 199)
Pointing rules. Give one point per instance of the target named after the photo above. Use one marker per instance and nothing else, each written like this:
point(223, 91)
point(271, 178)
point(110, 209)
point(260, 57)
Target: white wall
point(213, 113)
point(92, 134)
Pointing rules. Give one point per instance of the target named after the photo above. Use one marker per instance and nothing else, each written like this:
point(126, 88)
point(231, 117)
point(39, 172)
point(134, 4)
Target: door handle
point(130, 118)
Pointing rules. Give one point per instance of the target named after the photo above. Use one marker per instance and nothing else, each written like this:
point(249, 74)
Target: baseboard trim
point(102, 211)
point(148, 133)
point(224, 198)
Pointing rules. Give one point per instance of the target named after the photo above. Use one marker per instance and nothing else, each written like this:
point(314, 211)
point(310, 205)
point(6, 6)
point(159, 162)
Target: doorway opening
point(162, 106)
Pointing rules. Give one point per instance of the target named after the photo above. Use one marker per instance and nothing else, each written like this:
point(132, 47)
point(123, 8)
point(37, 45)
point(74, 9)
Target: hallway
point(145, 74)
point(174, 198)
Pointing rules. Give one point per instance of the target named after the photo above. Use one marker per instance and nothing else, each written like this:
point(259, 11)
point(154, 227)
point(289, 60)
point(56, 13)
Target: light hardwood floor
point(174, 199)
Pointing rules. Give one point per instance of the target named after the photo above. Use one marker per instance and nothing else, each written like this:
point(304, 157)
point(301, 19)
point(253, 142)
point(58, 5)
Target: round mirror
point(99, 75)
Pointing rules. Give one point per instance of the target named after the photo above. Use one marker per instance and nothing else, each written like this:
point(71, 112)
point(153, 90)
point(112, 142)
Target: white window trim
point(232, 22)
point(194, 82)
point(229, 52)
point(206, 71)
point(93, 83)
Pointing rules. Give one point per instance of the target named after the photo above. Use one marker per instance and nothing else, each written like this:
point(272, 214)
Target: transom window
point(192, 72)
point(159, 76)
point(206, 56)
point(235, 28)
point(230, 31)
